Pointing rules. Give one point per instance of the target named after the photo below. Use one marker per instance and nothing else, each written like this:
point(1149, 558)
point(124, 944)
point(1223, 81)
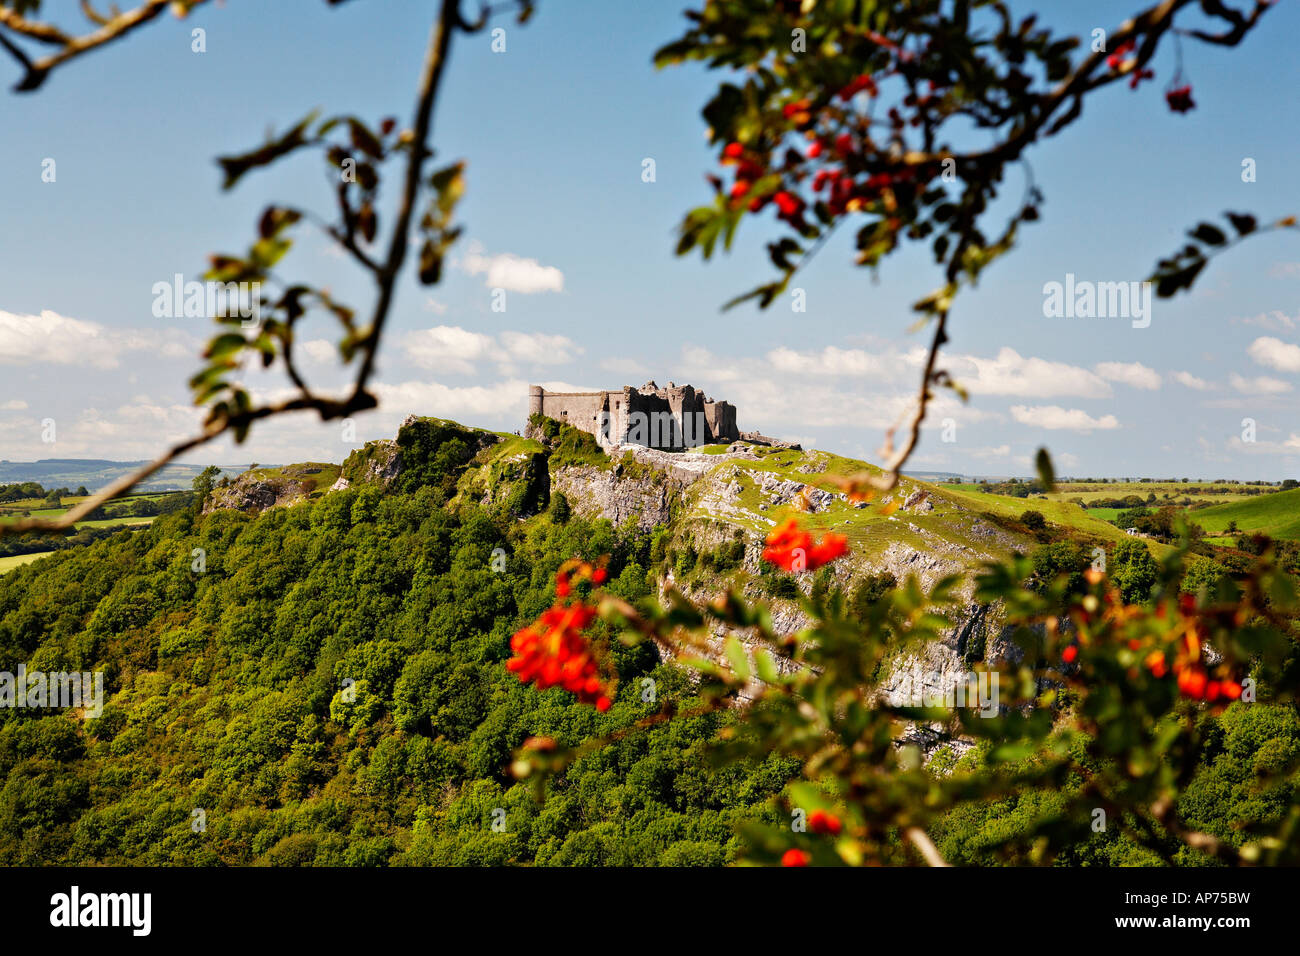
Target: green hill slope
point(1277, 515)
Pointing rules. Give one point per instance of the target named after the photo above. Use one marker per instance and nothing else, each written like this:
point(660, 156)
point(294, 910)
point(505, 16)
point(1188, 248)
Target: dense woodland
point(331, 689)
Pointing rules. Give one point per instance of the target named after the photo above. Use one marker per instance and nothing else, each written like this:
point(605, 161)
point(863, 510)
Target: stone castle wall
point(670, 419)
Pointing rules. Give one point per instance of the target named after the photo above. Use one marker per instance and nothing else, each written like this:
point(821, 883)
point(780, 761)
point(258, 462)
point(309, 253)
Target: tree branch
point(114, 29)
point(360, 399)
point(430, 80)
point(921, 840)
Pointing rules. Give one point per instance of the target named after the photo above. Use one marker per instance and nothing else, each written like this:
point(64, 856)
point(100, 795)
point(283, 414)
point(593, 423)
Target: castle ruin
point(674, 418)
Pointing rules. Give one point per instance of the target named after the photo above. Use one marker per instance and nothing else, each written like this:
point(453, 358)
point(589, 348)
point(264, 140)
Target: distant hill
point(95, 473)
point(1276, 514)
point(936, 476)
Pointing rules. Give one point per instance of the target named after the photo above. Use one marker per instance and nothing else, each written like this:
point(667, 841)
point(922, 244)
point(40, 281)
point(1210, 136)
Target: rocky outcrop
point(253, 495)
point(378, 463)
point(781, 491)
point(595, 492)
point(758, 439)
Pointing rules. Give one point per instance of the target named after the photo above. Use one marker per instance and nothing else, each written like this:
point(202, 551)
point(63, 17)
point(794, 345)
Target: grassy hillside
point(1277, 515)
point(964, 526)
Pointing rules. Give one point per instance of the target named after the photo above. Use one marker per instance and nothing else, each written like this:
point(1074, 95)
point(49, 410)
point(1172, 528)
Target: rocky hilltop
point(707, 501)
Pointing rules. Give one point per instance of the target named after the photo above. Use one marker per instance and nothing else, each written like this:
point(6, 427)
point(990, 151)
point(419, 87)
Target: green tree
point(203, 484)
point(1134, 569)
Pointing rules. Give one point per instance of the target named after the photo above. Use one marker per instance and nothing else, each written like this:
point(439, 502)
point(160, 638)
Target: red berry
point(1192, 684)
point(1180, 99)
point(733, 151)
point(795, 857)
point(815, 149)
point(1069, 654)
point(819, 821)
point(787, 203)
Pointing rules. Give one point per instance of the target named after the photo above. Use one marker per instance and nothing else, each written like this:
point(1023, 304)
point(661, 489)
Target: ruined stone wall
point(721, 419)
point(670, 419)
point(580, 409)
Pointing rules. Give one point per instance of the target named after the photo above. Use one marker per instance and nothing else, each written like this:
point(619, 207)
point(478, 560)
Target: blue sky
point(555, 130)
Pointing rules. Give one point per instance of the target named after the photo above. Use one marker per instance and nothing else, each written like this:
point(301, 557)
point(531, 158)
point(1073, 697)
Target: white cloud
point(1261, 385)
point(829, 361)
point(1130, 373)
point(999, 451)
point(58, 340)
point(1188, 380)
point(319, 351)
point(13, 405)
point(1290, 447)
point(465, 403)
point(1010, 373)
point(449, 348)
point(624, 366)
point(539, 348)
point(509, 271)
point(1057, 418)
point(1276, 320)
point(50, 337)
point(1275, 354)
point(452, 349)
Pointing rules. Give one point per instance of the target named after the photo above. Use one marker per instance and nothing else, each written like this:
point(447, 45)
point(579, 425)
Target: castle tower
point(535, 393)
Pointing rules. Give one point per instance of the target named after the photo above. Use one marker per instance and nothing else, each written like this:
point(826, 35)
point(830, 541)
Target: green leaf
point(234, 167)
point(1244, 223)
point(766, 667)
point(275, 219)
point(224, 345)
point(1211, 235)
point(364, 140)
point(737, 658)
point(1046, 473)
point(267, 252)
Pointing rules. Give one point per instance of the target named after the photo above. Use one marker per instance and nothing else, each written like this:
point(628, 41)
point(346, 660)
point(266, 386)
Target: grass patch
point(1277, 515)
point(18, 560)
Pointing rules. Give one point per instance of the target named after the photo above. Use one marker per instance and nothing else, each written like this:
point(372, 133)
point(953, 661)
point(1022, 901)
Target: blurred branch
point(921, 840)
point(386, 277)
point(113, 28)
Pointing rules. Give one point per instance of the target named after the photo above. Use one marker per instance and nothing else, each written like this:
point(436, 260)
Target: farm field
point(14, 510)
point(1211, 505)
point(1276, 515)
point(18, 560)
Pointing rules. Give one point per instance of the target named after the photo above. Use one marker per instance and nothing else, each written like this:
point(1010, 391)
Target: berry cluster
point(850, 178)
point(1178, 97)
point(1189, 667)
point(793, 549)
point(820, 822)
point(552, 652)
